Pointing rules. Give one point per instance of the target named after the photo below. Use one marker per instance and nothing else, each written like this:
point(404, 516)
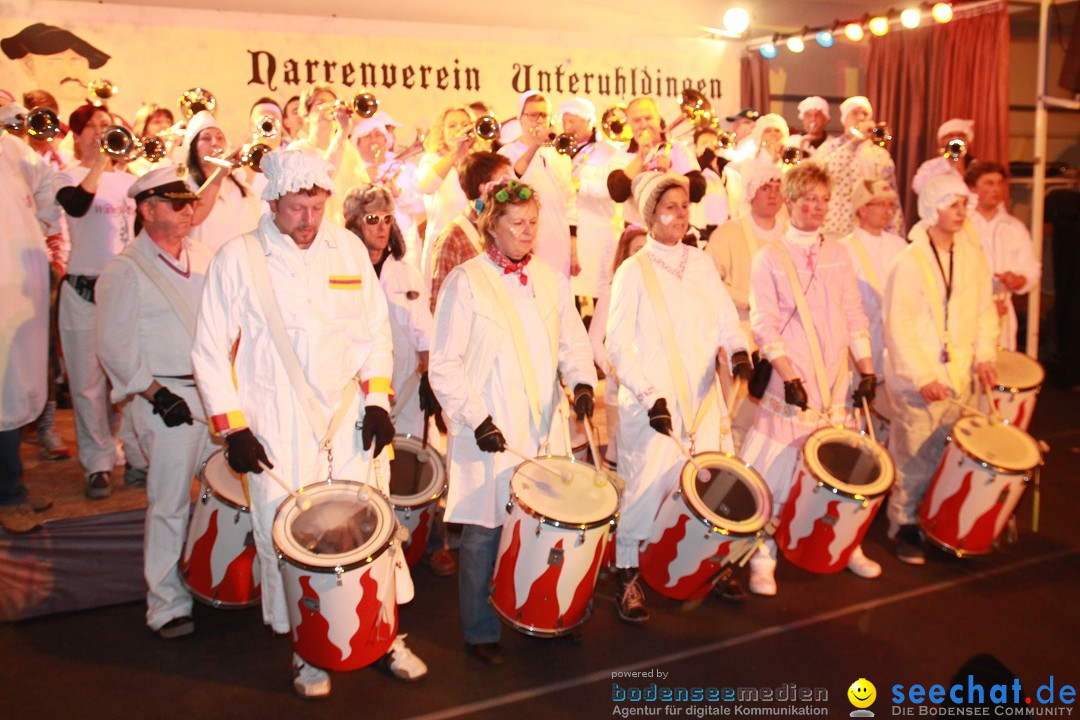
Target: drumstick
point(702, 474)
point(994, 417)
point(302, 504)
point(868, 418)
point(965, 406)
point(734, 399)
point(592, 443)
point(540, 465)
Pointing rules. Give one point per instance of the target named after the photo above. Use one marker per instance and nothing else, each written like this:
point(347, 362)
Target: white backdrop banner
point(152, 54)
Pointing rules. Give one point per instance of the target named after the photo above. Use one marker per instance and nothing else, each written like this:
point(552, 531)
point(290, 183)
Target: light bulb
point(879, 25)
point(911, 18)
point(825, 39)
point(942, 12)
point(768, 50)
point(854, 32)
point(736, 20)
point(795, 44)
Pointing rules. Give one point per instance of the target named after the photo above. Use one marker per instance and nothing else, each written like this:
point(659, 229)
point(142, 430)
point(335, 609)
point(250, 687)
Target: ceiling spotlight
point(825, 39)
point(879, 25)
point(853, 31)
point(795, 44)
point(911, 18)
point(736, 20)
point(942, 12)
point(768, 51)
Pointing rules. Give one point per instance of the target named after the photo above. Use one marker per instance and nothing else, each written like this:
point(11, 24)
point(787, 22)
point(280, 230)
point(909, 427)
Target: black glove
point(171, 407)
point(867, 389)
point(584, 402)
point(660, 418)
point(741, 367)
point(795, 394)
point(488, 437)
point(376, 426)
point(245, 452)
point(429, 404)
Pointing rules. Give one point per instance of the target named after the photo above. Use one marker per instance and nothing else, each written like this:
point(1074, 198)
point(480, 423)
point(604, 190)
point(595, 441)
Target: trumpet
point(119, 143)
point(99, 91)
point(725, 140)
point(486, 128)
point(565, 144)
point(955, 150)
point(363, 104)
point(153, 148)
point(614, 125)
point(791, 155)
point(879, 134)
point(195, 101)
point(251, 158)
point(40, 123)
point(267, 127)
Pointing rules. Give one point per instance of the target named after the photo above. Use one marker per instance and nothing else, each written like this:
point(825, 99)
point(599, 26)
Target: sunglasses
point(178, 204)
point(374, 219)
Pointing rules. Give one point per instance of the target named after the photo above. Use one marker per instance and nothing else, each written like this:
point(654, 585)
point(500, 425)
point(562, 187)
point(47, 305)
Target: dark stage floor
point(912, 626)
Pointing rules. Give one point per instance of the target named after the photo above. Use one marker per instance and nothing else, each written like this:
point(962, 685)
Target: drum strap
point(939, 315)
point(405, 394)
point(485, 273)
point(260, 281)
point(748, 233)
point(864, 260)
point(807, 321)
point(667, 337)
point(187, 317)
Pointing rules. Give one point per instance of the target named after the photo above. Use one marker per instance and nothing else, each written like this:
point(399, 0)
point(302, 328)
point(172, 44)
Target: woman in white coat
point(670, 315)
point(503, 317)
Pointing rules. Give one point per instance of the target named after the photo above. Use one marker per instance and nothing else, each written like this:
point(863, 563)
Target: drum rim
point(532, 630)
point(959, 552)
point(1004, 469)
point(706, 516)
point(1014, 389)
point(838, 487)
point(515, 499)
point(213, 491)
point(278, 530)
point(427, 497)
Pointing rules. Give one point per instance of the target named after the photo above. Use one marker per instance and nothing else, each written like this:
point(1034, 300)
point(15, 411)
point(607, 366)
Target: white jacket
point(1008, 248)
point(475, 372)
point(599, 218)
point(411, 326)
point(336, 317)
point(881, 252)
point(549, 174)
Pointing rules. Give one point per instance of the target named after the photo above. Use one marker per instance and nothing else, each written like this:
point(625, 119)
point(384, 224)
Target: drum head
point(848, 462)
point(417, 474)
point(1016, 372)
point(223, 481)
point(334, 524)
point(1006, 448)
point(581, 497)
point(734, 498)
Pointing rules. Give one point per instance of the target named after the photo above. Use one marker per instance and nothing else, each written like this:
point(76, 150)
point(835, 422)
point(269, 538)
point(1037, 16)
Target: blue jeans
point(479, 546)
point(12, 490)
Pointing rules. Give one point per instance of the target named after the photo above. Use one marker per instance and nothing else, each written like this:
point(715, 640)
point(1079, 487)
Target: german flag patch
point(346, 282)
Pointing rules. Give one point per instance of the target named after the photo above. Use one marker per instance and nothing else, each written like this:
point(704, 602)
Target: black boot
point(629, 598)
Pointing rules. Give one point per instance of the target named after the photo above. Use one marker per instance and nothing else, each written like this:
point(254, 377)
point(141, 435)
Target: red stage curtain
point(917, 79)
point(754, 83)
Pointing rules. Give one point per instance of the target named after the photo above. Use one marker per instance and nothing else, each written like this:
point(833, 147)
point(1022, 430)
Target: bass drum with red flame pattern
point(335, 544)
point(219, 565)
point(417, 482)
point(840, 483)
point(978, 483)
point(713, 520)
point(1019, 380)
point(553, 541)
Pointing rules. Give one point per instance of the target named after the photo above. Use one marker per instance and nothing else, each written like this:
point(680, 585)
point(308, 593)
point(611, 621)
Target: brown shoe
point(97, 486)
point(18, 519)
point(490, 653)
point(442, 563)
point(39, 503)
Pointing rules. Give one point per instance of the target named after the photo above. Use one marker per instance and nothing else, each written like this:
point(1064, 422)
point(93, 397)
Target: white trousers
point(176, 454)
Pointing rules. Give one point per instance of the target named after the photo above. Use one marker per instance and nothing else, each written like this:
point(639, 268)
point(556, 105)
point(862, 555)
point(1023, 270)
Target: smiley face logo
point(862, 693)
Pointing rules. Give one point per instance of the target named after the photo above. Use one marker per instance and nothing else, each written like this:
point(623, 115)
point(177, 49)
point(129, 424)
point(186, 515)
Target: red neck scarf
point(508, 265)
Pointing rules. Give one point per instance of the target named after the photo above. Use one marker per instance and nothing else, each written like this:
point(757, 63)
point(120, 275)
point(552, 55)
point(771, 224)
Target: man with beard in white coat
point(670, 315)
point(335, 325)
point(940, 333)
point(27, 188)
point(505, 329)
point(147, 299)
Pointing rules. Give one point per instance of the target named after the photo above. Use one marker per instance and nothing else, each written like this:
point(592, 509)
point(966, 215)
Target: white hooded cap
point(367, 126)
point(772, 120)
point(757, 173)
point(814, 102)
point(199, 122)
point(957, 125)
point(649, 186)
point(855, 102)
point(294, 170)
point(580, 107)
point(941, 192)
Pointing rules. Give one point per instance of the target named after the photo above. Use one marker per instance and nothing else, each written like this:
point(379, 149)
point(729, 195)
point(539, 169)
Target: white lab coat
point(881, 250)
point(475, 372)
point(1008, 248)
point(336, 317)
point(913, 358)
point(234, 213)
point(549, 174)
point(28, 206)
point(599, 220)
point(732, 249)
point(444, 200)
point(703, 320)
point(411, 327)
point(140, 338)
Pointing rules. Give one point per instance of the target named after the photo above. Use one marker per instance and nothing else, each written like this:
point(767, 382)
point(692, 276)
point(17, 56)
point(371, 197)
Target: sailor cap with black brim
point(166, 183)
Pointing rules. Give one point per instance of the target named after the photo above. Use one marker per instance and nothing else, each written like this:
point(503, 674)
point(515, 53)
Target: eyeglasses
point(534, 116)
point(374, 219)
point(178, 204)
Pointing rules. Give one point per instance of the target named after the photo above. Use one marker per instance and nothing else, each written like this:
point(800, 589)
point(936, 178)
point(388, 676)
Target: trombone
point(363, 104)
point(955, 150)
point(251, 158)
point(196, 100)
point(615, 126)
point(695, 108)
point(99, 91)
point(40, 123)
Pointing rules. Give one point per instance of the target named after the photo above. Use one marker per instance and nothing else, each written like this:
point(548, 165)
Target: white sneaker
point(863, 566)
point(762, 579)
point(308, 680)
point(400, 661)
